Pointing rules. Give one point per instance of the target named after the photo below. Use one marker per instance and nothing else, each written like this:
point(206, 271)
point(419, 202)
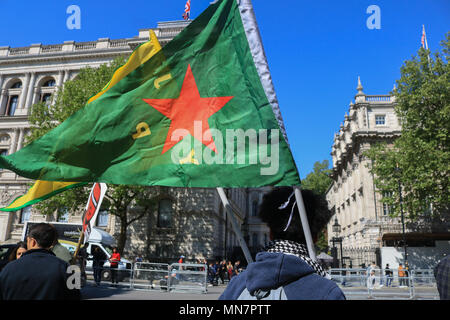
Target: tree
point(418, 161)
point(319, 180)
point(46, 116)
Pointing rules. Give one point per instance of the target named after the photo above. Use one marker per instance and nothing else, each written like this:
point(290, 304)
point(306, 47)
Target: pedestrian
point(114, 264)
point(401, 275)
point(407, 273)
point(60, 251)
point(284, 269)
point(98, 260)
point(442, 275)
point(343, 274)
point(38, 274)
point(229, 270)
point(18, 251)
point(237, 268)
point(371, 283)
point(389, 275)
point(223, 271)
point(211, 274)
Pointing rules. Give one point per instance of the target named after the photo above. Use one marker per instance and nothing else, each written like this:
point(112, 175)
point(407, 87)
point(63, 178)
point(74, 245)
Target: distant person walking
point(114, 264)
point(371, 283)
point(38, 274)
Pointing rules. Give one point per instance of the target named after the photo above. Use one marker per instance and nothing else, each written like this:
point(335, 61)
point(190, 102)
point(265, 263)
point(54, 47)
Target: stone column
point(60, 79)
point(66, 75)
point(23, 96)
point(2, 95)
point(29, 101)
point(20, 140)
point(3, 101)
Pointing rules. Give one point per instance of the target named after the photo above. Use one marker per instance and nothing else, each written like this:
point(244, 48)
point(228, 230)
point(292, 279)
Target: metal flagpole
point(305, 224)
point(234, 223)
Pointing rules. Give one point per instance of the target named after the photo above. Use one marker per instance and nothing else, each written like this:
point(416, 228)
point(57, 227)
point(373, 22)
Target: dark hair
point(44, 234)
point(13, 254)
point(316, 207)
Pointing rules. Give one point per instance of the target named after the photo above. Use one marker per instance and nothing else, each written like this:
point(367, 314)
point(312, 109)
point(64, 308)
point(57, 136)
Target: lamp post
point(337, 230)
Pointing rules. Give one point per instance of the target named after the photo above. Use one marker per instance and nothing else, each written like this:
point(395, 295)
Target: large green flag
point(202, 112)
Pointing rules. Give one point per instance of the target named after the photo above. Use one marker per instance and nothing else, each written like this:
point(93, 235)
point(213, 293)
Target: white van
point(105, 242)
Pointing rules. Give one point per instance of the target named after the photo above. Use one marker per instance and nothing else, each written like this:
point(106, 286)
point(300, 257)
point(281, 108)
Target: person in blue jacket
point(284, 269)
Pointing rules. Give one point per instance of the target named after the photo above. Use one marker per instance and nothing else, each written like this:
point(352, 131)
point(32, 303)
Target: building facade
point(367, 232)
point(191, 222)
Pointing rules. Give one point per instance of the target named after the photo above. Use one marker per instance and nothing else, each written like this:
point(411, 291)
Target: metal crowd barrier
point(149, 275)
point(187, 277)
point(416, 282)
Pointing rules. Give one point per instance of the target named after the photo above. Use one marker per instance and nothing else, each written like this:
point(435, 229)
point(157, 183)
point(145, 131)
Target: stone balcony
point(165, 32)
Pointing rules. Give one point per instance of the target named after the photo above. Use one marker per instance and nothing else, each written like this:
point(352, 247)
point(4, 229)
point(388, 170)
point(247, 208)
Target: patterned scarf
point(298, 250)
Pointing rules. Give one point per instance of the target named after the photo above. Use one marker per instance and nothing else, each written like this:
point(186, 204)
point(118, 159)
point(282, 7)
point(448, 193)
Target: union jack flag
point(187, 10)
point(424, 38)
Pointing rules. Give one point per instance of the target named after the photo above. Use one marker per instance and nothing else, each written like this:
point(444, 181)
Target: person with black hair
point(284, 269)
point(38, 274)
point(18, 251)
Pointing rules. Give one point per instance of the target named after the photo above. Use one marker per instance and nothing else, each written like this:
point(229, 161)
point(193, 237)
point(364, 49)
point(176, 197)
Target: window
point(255, 240)
point(380, 120)
point(387, 209)
point(25, 214)
point(102, 218)
point(12, 105)
point(63, 215)
point(3, 152)
point(165, 213)
point(46, 98)
point(254, 208)
point(49, 83)
point(17, 85)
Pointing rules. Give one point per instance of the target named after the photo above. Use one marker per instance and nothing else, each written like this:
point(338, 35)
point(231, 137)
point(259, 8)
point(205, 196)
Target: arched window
point(3, 152)
point(49, 83)
point(17, 85)
point(165, 214)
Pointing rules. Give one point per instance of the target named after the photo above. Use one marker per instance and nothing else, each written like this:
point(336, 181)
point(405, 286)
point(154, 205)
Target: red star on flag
point(186, 109)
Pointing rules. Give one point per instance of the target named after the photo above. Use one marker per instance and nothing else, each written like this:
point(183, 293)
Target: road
point(107, 292)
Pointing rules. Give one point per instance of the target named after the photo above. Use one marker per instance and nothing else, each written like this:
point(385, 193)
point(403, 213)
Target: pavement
point(122, 292)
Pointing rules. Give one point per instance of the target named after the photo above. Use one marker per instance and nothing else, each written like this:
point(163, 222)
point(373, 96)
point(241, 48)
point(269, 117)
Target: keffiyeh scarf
point(298, 250)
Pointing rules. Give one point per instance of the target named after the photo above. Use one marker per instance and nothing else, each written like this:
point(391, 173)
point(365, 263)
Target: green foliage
point(319, 180)
point(419, 159)
point(68, 100)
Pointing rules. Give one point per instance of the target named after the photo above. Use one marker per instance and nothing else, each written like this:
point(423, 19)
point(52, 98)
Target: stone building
point(188, 221)
point(368, 233)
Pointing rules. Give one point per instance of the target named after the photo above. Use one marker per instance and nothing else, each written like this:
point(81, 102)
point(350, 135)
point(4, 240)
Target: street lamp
point(337, 230)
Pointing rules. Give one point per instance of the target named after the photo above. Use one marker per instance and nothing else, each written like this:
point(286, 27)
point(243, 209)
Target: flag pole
point(305, 224)
point(74, 258)
point(234, 224)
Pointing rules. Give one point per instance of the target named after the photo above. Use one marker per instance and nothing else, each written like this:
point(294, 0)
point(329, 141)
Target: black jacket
point(37, 275)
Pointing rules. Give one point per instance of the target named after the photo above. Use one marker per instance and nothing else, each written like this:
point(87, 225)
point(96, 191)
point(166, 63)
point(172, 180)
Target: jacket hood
point(272, 270)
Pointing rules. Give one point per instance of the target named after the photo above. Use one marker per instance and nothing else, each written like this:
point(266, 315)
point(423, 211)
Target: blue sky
point(315, 49)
